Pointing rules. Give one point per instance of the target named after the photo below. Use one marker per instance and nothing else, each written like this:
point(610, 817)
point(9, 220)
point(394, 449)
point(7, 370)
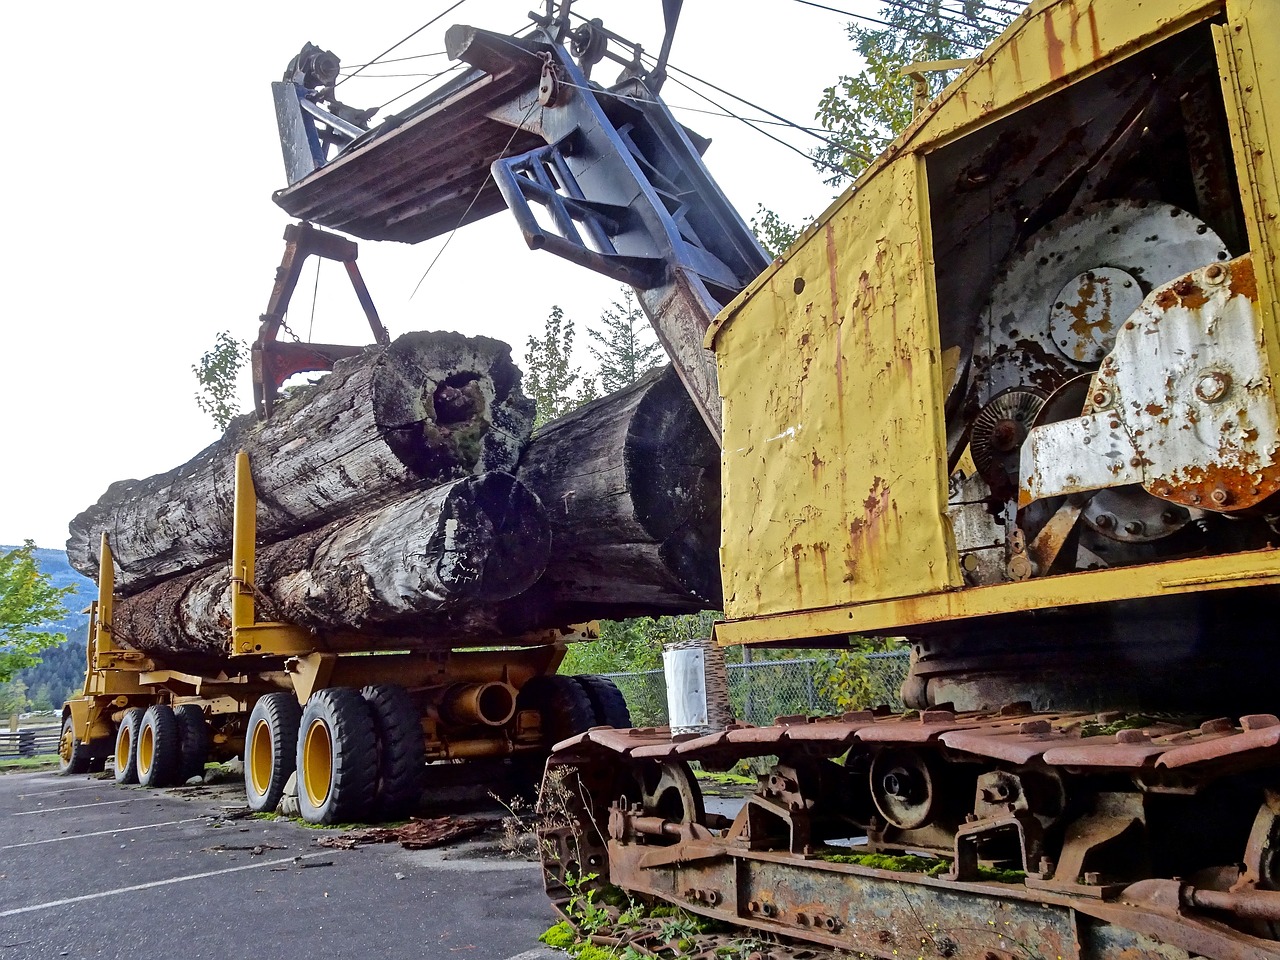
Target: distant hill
point(61, 670)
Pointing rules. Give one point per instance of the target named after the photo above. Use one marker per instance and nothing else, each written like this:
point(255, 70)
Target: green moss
point(560, 935)
point(929, 866)
point(1093, 729)
point(590, 951)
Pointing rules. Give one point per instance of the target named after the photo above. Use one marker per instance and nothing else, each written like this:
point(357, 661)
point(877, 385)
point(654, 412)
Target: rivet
point(1220, 496)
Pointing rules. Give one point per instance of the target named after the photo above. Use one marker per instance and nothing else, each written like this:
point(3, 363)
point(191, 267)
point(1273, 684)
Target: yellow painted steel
point(248, 636)
point(832, 374)
point(260, 756)
point(317, 762)
point(1248, 49)
point(834, 460)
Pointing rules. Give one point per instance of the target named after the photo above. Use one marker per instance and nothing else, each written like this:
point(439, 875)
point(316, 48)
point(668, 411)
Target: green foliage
point(13, 698)
point(867, 109)
point(216, 372)
point(28, 600)
point(550, 378)
point(850, 681)
point(774, 233)
point(627, 349)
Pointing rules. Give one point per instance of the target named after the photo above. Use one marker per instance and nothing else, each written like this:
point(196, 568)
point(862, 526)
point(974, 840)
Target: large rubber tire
point(270, 749)
point(126, 745)
point(607, 702)
point(402, 753)
point(565, 710)
point(158, 751)
point(74, 755)
point(337, 757)
point(565, 707)
point(193, 741)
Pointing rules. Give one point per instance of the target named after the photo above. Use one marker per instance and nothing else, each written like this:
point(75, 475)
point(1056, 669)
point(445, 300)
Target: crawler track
point(987, 835)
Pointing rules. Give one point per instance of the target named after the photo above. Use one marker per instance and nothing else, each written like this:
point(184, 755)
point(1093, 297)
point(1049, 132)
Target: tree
point(28, 600)
point(627, 346)
point(549, 374)
point(217, 372)
point(866, 110)
point(774, 233)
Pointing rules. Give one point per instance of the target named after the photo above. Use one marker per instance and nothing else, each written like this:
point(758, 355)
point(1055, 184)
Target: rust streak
point(1054, 47)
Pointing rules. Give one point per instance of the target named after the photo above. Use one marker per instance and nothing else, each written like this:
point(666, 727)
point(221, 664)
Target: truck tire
point(607, 702)
point(402, 755)
point(126, 746)
point(158, 750)
point(565, 710)
point(270, 749)
point(193, 741)
point(73, 754)
point(565, 707)
point(337, 757)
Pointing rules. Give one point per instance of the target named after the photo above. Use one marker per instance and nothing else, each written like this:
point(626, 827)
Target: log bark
point(422, 571)
point(631, 486)
point(428, 409)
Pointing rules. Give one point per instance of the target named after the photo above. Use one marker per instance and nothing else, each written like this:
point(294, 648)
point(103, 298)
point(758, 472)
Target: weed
point(519, 833)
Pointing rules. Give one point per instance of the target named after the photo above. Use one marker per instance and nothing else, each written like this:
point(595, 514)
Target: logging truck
point(1010, 396)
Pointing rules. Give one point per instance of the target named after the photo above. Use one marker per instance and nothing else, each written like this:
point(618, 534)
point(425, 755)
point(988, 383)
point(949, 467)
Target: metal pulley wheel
point(1054, 311)
point(904, 787)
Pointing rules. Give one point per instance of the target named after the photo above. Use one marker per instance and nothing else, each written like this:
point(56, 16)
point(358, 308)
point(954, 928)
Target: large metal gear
point(1054, 311)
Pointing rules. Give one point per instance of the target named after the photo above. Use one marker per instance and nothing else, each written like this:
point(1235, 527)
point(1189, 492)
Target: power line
point(884, 23)
point(402, 41)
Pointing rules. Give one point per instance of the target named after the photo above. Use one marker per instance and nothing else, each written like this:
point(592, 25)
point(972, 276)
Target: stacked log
point(428, 409)
point(429, 566)
point(631, 486)
point(387, 509)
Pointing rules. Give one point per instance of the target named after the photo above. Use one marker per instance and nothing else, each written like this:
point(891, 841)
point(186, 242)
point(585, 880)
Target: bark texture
point(430, 408)
point(631, 486)
point(431, 567)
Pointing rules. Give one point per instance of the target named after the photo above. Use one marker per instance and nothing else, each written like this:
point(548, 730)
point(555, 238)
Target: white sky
point(142, 154)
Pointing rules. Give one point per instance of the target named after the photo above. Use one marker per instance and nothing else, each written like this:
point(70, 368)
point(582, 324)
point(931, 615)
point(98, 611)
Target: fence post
point(26, 743)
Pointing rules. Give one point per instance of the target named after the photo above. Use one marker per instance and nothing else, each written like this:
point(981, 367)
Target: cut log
point(422, 571)
point(631, 486)
point(428, 409)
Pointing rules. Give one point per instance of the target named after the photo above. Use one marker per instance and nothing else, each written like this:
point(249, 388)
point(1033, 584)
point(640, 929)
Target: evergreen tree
point(866, 110)
point(627, 348)
point(550, 378)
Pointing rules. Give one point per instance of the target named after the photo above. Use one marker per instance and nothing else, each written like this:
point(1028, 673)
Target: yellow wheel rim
point(317, 762)
point(146, 750)
point(261, 757)
point(124, 747)
point(65, 745)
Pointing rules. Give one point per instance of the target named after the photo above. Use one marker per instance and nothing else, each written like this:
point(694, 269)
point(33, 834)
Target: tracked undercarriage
point(1001, 835)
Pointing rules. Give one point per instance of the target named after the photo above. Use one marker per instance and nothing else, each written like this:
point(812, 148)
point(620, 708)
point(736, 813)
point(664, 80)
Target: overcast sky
point(142, 157)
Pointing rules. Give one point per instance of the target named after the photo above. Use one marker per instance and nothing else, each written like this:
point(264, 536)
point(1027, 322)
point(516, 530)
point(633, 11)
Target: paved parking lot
point(90, 869)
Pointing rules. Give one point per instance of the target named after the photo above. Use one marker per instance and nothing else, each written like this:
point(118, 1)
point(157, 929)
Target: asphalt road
point(90, 869)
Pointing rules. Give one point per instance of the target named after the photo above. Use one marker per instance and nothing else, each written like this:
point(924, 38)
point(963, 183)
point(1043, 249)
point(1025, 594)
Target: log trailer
point(1010, 397)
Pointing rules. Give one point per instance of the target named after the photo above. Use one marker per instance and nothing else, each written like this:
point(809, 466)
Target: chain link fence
point(763, 690)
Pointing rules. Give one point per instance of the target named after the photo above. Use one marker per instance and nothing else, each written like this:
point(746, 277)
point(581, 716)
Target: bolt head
point(1221, 496)
point(1213, 386)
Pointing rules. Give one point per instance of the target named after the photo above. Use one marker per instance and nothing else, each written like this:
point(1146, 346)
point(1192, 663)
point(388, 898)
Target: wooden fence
point(29, 742)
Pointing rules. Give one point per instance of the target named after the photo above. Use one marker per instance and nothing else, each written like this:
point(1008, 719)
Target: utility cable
point(415, 56)
point(315, 297)
point(484, 183)
point(419, 86)
point(401, 41)
point(885, 23)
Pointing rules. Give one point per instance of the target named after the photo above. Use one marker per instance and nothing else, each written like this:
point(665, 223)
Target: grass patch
point(1091, 728)
point(725, 778)
point(29, 763)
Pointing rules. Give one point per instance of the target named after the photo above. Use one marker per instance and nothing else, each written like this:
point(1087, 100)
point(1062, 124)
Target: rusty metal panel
point(834, 464)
